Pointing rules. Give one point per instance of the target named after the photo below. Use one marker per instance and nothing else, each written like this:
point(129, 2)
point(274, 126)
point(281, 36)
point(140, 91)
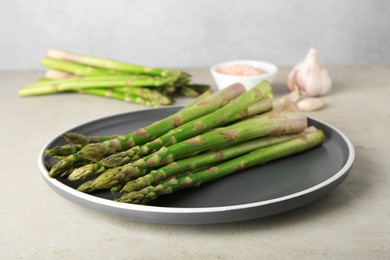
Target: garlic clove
point(310, 104)
point(291, 81)
point(326, 82)
point(290, 107)
point(310, 77)
point(292, 97)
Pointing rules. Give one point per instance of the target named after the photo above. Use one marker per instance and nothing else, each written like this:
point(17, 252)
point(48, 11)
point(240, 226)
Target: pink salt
point(241, 70)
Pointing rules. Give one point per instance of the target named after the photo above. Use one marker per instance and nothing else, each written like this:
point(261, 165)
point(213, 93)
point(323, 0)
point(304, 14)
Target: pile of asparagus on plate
point(69, 72)
point(214, 136)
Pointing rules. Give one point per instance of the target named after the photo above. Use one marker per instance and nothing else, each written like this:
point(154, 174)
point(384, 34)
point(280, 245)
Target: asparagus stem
point(193, 128)
point(147, 93)
point(73, 68)
point(204, 159)
point(257, 157)
point(86, 171)
point(200, 88)
point(193, 90)
point(78, 138)
point(267, 125)
point(121, 158)
point(201, 97)
point(86, 187)
point(62, 167)
point(75, 79)
point(112, 93)
point(187, 91)
point(262, 106)
point(97, 151)
point(56, 74)
point(107, 64)
point(272, 124)
point(235, 110)
point(62, 85)
point(63, 150)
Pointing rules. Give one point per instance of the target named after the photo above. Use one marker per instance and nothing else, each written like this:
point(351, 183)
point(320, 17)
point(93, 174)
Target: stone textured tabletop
point(351, 222)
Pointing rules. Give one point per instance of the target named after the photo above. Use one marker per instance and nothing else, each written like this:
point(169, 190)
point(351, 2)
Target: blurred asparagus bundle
point(69, 72)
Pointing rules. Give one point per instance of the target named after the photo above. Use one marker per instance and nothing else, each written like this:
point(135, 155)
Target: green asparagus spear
point(232, 111)
point(192, 90)
point(78, 138)
point(61, 85)
point(64, 166)
point(107, 64)
point(63, 150)
point(97, 151)
point(86, 187)
point(86, 171)
point(270, 124)
point(147, 93)
point(112, 93)
point(204, 159)
point(257, 157)
point(200, 88)
point(201, 97)
point(187, 91)
point(121, 158)
point(73, 68)
point(52, 74)
point(267, 125)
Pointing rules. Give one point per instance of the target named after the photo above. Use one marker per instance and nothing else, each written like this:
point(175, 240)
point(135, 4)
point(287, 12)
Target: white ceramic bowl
point(224, 80)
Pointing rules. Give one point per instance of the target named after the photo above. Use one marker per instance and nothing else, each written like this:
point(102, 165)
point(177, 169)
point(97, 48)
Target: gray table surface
point(351, 222)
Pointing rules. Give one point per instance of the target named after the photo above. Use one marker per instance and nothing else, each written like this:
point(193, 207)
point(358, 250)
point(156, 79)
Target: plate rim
point(176, 210)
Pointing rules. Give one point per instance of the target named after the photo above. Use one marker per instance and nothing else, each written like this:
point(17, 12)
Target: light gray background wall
point(179, 33)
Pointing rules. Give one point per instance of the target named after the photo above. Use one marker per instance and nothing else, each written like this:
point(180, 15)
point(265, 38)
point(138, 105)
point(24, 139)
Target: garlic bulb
point(310, 77)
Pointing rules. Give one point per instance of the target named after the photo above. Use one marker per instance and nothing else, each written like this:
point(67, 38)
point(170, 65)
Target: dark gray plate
point(261, 191)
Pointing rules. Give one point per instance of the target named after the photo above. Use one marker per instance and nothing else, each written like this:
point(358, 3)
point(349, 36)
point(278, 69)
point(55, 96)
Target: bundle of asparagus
point(69, 72)
point(214, 136)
